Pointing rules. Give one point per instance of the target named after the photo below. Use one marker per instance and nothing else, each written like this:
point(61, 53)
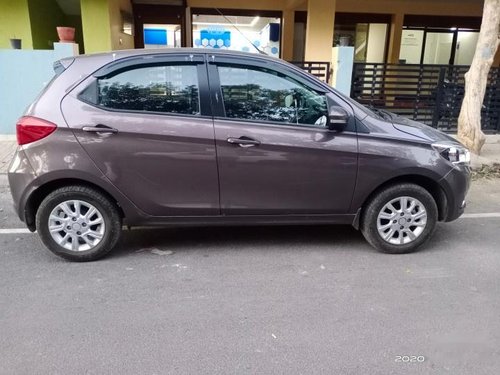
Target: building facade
point(381, 31)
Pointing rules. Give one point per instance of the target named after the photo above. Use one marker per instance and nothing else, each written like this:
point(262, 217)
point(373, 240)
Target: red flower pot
point(66, 34)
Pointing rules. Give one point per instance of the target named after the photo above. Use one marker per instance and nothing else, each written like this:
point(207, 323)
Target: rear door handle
point(103, 129)
point(243, 141)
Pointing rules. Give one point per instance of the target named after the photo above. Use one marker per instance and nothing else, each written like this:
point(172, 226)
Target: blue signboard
point(155, 36)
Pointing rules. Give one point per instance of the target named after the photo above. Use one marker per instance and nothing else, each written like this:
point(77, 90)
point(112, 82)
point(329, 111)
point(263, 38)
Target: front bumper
point(456, 185)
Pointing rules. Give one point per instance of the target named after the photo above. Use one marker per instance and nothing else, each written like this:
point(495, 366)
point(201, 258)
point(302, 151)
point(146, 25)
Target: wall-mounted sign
point(215, 38)
point(410, 40)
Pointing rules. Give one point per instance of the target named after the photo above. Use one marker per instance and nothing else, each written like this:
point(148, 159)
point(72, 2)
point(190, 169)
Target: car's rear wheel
point(399, 219)
point(78, 223)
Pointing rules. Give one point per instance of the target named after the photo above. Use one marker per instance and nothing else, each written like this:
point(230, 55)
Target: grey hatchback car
point(190, 137)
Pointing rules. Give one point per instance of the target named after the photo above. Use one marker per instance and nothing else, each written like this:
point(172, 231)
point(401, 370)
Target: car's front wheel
point(78, 223)
point(399, 219)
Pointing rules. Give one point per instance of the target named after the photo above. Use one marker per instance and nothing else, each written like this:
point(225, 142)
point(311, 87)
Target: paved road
point(288, 300)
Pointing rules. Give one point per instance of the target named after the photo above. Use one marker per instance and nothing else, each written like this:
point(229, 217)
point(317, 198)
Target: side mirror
point(338, 118)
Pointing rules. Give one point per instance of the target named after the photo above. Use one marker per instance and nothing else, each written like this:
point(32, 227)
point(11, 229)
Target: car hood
point(420, 130)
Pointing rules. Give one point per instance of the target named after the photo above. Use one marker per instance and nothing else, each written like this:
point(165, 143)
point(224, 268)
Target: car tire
point(78, 223)
point(392, 228)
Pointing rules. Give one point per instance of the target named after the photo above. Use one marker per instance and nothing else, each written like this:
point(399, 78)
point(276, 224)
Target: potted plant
point(66, 34)
point(344, 40)
point(15, 43)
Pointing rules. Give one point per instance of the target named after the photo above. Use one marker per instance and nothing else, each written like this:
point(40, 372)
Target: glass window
point(438, 47)
point(170, 89)
point(368, 39)
point(237, 33)
point(264, 95)
point(466, 46)
point(411, 46)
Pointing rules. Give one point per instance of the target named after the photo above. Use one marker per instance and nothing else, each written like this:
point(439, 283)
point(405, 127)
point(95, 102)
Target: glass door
point(451, 46)
point(466, 46)
point(438, 46)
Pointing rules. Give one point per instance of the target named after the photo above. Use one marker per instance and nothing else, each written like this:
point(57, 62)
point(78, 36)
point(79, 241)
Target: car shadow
point(240, 238)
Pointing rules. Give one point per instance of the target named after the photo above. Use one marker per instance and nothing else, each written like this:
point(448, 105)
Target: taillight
point(30, 129)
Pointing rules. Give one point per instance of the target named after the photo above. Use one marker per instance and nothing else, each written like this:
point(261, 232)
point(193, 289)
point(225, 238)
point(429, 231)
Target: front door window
point(255, 94)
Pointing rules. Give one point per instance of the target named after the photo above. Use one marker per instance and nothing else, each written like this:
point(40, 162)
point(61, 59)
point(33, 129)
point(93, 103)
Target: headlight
point(455, 153)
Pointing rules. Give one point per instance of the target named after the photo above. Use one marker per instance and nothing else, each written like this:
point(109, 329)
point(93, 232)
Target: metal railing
point(320, 69)
point(431, 94)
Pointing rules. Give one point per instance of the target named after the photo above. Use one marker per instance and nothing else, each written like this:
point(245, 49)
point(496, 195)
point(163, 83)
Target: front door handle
point(103, 129)
point(243, 141)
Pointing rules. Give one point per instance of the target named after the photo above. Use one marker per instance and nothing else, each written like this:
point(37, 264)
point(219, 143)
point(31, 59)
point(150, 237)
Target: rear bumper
point(21, 176)
point(456, 185)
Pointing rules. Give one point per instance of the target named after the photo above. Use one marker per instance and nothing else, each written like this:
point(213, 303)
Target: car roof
point(119, 54)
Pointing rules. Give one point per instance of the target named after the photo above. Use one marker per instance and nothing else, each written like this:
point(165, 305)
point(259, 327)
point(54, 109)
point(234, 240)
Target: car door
point(146, 123)
point(275, 153)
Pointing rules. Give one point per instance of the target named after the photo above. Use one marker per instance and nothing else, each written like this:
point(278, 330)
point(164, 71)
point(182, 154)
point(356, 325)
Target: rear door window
point(167, 88)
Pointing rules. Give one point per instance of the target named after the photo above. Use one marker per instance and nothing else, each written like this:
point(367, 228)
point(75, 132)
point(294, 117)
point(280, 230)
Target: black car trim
point(286, 70)
point(123, 64)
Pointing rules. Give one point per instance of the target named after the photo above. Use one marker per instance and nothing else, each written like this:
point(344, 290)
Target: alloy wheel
point(402, 220)
point(76, 225)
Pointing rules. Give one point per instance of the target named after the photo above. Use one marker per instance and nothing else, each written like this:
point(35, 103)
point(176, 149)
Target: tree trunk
point(476, 79)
